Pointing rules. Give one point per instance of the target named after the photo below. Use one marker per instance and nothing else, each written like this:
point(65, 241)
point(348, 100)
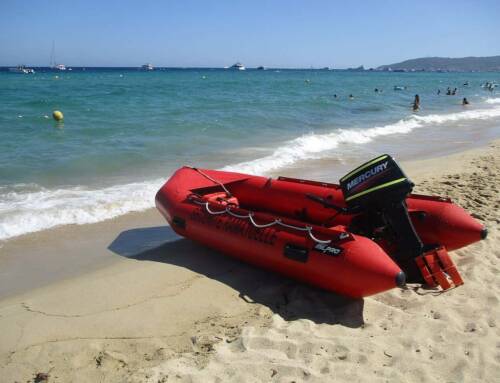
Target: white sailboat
point(53, 64)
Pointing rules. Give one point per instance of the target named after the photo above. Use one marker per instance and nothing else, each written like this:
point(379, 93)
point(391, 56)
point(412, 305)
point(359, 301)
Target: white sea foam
point(492, 100)
point(30, 208)
point(314, 146)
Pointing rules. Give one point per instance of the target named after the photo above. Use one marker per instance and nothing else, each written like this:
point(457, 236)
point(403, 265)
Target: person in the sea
point(448, 91)
point(351, 97)
point(334, 96)
point(454, 92)
point(439, 92)
point(376, 90)
point(465, 101)
point(416, 103)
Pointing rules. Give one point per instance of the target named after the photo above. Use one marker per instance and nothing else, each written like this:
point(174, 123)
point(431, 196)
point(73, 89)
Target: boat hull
point(273, 225)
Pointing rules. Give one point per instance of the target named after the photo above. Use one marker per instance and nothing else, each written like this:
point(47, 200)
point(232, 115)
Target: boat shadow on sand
point(290, 299)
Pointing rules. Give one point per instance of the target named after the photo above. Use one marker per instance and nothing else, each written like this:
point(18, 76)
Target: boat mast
point(53, 55)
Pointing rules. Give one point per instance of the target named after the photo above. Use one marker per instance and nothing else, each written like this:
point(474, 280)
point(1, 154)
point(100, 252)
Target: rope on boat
point(250, 215)
point(212, 179)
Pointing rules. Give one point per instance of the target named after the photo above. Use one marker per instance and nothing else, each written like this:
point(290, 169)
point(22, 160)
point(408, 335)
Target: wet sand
point(127, 300)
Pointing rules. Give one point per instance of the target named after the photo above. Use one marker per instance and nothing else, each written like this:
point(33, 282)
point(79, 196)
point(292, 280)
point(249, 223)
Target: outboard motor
point(377, 190)
point(375, 193)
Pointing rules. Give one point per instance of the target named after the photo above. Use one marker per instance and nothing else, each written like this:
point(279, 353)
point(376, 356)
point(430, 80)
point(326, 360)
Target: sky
point(293, 34)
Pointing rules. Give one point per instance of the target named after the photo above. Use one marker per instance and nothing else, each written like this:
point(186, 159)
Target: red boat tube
point(272, 224)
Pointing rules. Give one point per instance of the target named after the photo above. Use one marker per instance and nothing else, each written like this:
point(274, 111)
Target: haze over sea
point(126, 131)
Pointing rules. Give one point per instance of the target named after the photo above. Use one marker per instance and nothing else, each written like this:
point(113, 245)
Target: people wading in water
point(416, 103)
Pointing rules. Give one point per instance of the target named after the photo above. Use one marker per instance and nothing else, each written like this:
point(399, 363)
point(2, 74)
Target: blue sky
point(272, 33)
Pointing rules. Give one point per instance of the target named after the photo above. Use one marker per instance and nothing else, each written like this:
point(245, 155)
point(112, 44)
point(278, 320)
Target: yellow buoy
point(58, 116)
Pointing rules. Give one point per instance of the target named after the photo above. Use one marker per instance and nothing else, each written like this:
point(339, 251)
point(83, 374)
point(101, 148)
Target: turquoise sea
point(125, 131)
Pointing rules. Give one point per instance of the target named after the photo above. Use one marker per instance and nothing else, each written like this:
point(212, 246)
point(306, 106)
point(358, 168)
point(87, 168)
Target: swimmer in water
point(376, 90)
point(465, 101)
point(439, 92)
point(334, 96)
point(351, 97)
point(416, 103)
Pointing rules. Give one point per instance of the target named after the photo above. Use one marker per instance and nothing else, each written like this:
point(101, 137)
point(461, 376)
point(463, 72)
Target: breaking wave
point(28, 208)
point(315, 146)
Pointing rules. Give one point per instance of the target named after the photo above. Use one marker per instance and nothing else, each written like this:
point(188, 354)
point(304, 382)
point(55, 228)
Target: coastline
point(124, 300)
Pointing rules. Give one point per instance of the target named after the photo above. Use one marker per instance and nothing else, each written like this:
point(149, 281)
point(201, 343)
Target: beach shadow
point(290, 299)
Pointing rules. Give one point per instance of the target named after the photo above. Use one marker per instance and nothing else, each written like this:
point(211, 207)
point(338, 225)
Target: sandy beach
point(127, 300)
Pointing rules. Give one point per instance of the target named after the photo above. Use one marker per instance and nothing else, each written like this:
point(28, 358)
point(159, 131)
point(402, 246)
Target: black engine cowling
point(377, 191)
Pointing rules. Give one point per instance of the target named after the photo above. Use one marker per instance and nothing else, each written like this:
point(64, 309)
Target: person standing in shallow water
point(416, 103)
point(465, 101)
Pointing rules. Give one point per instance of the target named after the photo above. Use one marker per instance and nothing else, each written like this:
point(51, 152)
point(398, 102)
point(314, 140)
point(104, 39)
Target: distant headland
point(445, 64)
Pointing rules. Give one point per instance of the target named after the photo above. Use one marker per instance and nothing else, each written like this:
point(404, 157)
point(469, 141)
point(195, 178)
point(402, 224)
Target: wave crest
point(315, 146)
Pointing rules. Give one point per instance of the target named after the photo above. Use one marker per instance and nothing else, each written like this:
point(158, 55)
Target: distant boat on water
point(261, 68)
point(22, 70)
point(53, 64)
point(147, 67)
point(238, 66)
point(59, 67)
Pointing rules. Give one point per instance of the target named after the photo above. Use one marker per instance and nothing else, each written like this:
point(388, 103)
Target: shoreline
point(22, 254)
point(124, 300)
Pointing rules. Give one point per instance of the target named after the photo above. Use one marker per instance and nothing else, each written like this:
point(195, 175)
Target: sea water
point(125, 131)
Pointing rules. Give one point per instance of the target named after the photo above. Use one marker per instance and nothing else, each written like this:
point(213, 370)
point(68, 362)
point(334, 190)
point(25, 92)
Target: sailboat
point(53, 64)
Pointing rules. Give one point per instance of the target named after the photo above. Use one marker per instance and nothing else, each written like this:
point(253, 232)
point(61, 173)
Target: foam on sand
point(29, 208)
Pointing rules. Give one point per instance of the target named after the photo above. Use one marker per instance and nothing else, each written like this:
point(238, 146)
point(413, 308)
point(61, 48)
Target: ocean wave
point(27, 208)
point(315, 146)
point(492, 100)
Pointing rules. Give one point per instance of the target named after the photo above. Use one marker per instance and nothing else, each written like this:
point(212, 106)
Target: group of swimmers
point(416, 101)
point(449, 92)
point(489, 86)
point(351, 97)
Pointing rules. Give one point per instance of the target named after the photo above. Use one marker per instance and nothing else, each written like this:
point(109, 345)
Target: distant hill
point(435, 64)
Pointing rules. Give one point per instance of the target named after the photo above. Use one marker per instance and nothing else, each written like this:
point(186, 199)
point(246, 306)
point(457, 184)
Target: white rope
point(249, 216)
point(212, 179)
point(317, 239)
point(229, 211)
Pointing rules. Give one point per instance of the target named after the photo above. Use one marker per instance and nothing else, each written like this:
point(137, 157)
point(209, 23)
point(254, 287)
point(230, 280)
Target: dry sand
point(179, 312)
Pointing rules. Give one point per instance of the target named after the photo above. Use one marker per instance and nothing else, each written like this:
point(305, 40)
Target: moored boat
point(22, 69)
point(237, 66)
point(147, 67)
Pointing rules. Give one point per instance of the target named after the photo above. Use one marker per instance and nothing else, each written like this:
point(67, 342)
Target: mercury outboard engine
point(375, 194)
point(377, 190)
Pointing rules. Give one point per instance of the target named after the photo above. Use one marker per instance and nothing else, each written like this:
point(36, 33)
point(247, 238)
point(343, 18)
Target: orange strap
point(438, 269)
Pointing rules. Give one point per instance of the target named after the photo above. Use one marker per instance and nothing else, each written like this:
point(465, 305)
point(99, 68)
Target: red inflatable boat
point(359, 238)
